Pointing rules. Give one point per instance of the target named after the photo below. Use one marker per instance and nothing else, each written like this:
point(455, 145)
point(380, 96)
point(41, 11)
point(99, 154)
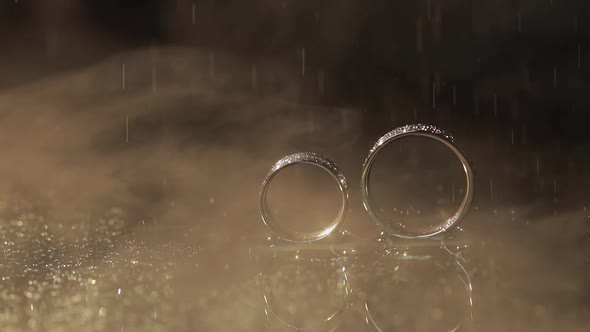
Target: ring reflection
point(304, 290)
point(418, 289)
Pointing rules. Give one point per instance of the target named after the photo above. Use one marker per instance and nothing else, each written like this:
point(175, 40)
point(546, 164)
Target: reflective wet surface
point(137, 209)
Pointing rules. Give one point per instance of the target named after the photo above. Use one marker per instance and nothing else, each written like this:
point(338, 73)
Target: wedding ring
point(313, 159)
point(423, 131)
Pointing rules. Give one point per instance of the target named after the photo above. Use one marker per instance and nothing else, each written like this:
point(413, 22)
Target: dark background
point(372, 54)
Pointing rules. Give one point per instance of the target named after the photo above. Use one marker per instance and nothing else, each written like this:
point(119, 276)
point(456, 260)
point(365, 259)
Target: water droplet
point(303, 61)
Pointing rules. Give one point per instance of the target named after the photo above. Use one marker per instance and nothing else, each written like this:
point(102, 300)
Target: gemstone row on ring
point(412, 128)
point(314, 158)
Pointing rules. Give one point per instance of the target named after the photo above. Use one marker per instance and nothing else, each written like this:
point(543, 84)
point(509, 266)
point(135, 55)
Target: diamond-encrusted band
point(424, 131)
point(314, 159)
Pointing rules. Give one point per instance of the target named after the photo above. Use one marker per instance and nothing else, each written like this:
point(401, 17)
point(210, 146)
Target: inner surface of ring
point(416, 185)
point(304, 200)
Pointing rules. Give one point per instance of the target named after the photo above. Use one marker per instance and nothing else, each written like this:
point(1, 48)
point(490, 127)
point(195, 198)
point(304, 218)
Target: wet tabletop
point(135, 208)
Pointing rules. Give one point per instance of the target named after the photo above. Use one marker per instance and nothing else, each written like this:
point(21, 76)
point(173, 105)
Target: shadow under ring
point(423, 131)
point(314, 159)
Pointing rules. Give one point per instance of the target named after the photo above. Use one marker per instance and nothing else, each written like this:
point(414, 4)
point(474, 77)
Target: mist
point(134, 150)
